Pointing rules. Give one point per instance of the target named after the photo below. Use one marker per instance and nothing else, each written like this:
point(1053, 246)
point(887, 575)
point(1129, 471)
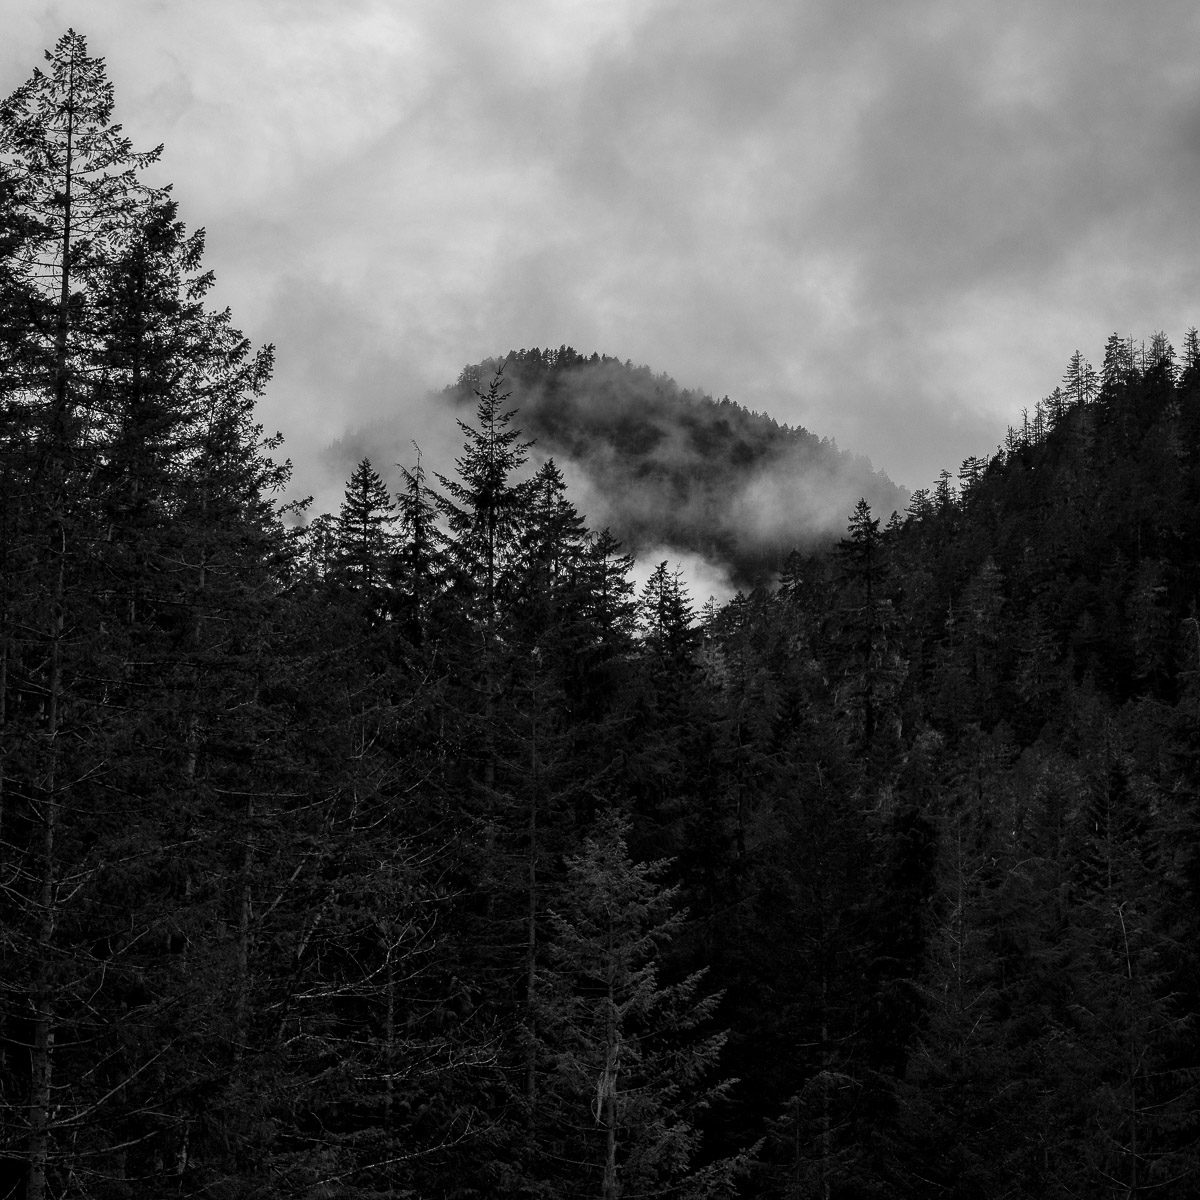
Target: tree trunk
point(607, 1109)
point(531, 940)
point(245, 919)
point(42, 1055)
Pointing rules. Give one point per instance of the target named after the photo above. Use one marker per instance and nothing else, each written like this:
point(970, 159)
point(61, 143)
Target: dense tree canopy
point(412, 851)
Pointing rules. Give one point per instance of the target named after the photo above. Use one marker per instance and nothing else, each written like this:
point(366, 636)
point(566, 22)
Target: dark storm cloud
point(890, 222)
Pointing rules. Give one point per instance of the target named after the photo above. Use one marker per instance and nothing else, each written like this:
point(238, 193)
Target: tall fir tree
point(626, 1058)
point(486, 504)
point(420, 554)
point(143, 531)
point(364, 546)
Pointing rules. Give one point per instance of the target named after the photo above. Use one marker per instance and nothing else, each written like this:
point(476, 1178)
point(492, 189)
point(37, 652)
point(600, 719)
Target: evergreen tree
point(1118, 370)
point(420, 554)
point(969, 476)
point(665, 616)
point(625, 1057)
point(1160, 357)
point(1137, 1100)
point(319, 545)
point(610, 609)
point(1080, 383)
point(143, 531)
point(943, 496)
point(363, 540)
point(76, 181)
point(486, 505)
point(548, 568)
point(867, 615)
point(920, 505)
point(485, 508)
point(1191, 356)
point(71, 195)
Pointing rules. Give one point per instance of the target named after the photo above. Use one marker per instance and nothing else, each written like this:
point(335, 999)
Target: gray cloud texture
point(889, 221)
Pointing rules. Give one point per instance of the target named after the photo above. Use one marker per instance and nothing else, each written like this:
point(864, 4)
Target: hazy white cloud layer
point(889, 221)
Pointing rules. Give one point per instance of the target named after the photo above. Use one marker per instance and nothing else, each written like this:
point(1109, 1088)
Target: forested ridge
point(407, 851)
point(665, 467)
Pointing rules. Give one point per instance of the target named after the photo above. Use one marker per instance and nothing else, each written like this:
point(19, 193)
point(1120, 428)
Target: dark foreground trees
point(406, 854)
point(138, 551)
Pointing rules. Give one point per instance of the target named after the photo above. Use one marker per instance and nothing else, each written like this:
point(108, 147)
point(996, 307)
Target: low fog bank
point(723, 493)
point(703, 580)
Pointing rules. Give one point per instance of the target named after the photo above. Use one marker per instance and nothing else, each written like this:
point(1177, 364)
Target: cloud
point(889, 222)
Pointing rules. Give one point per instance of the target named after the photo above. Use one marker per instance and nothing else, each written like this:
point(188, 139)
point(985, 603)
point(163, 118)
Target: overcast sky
point(890, 221)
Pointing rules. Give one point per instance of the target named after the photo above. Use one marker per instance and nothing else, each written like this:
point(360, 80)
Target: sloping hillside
point(666, 467)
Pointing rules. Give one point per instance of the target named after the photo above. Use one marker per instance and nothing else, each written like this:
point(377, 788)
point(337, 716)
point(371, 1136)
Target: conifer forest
point(412, 850)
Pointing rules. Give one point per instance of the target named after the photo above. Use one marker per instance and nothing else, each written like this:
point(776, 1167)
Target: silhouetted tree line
point(409, 852)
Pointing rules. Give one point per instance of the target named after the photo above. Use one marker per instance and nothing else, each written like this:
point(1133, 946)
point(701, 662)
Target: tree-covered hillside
point(665, 467)
point(408, 852)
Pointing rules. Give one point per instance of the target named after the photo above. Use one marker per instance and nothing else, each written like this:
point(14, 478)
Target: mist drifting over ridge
point(673, 472)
